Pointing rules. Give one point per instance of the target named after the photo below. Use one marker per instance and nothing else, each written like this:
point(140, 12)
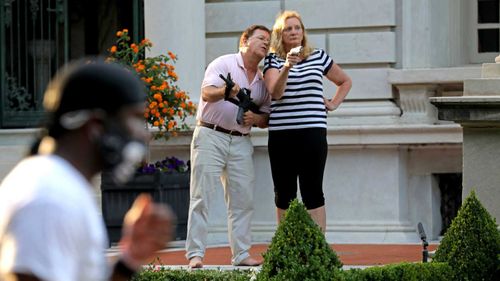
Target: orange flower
point(140, 68)
point(135, 49)
point(173, 75)
point(167, 104)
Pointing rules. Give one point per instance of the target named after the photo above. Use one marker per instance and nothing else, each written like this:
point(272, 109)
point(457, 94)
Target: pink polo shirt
point(223, 113)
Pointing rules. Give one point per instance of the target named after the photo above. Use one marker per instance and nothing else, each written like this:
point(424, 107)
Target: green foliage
point(298, 250)
point(472, 243)
point(162, 274)
point(403, 271)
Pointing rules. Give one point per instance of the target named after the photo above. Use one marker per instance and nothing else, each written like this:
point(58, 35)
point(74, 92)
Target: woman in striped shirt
point(293, 74)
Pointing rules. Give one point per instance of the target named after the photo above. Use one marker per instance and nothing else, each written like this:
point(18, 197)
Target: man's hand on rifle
point(249, 118)
point(231, 89)
point(234, 91)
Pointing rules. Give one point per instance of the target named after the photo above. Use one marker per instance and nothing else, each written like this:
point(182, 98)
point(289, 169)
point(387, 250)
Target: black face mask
point(119, 152)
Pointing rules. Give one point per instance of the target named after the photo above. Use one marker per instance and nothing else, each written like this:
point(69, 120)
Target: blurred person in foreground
point(50, 227)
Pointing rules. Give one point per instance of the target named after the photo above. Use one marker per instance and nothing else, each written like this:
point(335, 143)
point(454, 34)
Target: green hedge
point(395, 272)
point(163, 274)
point(299, 252)
point(401, 271)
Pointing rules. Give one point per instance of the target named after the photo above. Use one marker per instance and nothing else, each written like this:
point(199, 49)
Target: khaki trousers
point(219, 160)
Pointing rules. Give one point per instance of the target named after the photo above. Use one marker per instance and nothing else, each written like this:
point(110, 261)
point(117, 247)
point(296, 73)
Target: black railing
point(34, 40)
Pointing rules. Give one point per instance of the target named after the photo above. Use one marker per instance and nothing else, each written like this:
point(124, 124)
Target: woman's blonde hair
point(277, 46)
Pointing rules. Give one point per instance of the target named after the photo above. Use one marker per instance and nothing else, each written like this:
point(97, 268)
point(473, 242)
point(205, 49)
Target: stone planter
point(168, 188)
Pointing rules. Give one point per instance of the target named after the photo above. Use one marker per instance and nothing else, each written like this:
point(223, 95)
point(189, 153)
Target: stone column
point(179, 26)
point(478, 112)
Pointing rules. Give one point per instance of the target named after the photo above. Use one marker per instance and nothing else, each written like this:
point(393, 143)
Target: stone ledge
point(336, 232)
point(481, 87)
point(383, 134)
point(17, 137)
point(470, 111)
point(463, 100)
point(355, 135)
point(433, 75)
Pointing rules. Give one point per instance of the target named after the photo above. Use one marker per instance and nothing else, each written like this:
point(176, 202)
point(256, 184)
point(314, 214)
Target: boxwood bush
point(298, 250)
point(470, 250)
point(395, 272)
point(471, 244)
point(163, 274)
point(401, 271)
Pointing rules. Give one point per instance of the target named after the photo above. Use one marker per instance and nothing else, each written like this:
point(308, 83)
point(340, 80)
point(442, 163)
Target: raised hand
point(147, 228)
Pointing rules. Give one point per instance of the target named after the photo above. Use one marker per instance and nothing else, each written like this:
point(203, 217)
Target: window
point(485, 27)
point(39, 36)
point(450, 186)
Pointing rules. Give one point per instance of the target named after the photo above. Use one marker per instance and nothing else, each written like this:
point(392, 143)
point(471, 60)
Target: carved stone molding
point(415, 105)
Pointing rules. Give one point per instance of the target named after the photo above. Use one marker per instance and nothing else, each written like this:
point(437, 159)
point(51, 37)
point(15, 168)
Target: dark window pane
point(487, 11)
point(487, 40)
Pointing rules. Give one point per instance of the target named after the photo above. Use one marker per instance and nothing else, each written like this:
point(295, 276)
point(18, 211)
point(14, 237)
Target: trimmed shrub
point(472, 243)
point(402, 271)
point(298, 250)
point(162, 274)
point(395, 272)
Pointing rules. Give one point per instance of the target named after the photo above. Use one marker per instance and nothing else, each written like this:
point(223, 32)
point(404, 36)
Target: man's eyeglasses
point(261, 38)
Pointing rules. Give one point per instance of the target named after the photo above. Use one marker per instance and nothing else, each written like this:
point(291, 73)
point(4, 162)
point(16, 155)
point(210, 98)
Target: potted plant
point(167, 105)
point(167, 181)
point(165, 112)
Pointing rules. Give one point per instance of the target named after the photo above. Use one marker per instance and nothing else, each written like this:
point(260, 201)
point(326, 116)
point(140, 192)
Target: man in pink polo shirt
point(221, 150)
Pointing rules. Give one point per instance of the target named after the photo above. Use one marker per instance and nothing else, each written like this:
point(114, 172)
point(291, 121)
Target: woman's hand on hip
point(330, 105)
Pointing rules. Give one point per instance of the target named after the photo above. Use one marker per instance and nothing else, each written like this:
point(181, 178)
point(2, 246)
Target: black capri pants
point(298, 153)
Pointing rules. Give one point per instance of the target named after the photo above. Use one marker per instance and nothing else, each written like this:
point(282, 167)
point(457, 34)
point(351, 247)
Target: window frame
point(474, 26)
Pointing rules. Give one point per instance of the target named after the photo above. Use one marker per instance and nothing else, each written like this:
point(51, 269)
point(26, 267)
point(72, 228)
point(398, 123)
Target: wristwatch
point(123, 270)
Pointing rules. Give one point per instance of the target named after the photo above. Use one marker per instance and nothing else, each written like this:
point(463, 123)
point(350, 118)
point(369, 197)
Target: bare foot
point(195, 262)
point(250, 262)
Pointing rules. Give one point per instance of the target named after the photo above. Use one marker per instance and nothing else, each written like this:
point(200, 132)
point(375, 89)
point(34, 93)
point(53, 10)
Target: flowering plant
point(166, 103)
point(169, 164)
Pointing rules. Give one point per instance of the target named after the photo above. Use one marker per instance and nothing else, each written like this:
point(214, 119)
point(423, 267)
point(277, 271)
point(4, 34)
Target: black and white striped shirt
point(302, 104)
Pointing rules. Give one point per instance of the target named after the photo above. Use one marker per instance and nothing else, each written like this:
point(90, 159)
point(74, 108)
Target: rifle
point(244, 101)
